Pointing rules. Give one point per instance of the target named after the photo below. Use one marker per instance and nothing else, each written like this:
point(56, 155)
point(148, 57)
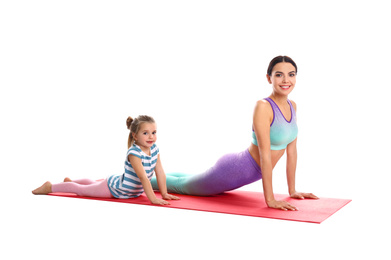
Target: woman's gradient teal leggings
point(230, 172)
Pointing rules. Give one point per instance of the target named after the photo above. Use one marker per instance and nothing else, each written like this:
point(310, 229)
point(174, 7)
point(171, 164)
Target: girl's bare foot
point(67, 179)
point(44, 189)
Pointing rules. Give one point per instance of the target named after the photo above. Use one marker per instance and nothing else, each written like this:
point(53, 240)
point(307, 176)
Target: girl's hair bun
point(129, 121)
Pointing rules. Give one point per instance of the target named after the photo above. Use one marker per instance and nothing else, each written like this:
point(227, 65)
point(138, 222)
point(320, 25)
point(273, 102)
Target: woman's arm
point(263, 116)
point(291, 162)
point(261, 123)
point(161, 181)
point(142, 175)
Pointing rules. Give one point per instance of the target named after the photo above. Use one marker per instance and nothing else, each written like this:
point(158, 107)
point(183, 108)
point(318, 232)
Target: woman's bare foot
point(44, 189)
point(67, 179)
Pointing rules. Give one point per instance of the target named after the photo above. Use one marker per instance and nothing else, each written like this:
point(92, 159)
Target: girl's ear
point(134, 136)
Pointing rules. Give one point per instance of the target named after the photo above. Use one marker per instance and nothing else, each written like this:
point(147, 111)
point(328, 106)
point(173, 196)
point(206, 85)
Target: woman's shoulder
point(263, 112)
point(293, 104)
point(263, 105)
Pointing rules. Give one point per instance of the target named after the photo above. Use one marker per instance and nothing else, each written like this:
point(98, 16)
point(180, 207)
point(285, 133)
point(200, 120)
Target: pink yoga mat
point(245, 203)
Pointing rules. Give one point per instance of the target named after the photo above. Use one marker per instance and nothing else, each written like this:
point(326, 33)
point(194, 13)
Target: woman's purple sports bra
point(282, 131)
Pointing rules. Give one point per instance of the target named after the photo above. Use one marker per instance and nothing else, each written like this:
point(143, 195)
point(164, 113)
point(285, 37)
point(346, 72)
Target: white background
point(72, 71)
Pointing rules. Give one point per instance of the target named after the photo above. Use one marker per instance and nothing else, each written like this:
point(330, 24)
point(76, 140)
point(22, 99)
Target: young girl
point(274, 132)
point(142, 160)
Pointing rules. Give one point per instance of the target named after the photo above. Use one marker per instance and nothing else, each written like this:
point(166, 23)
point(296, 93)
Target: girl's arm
point(263, 116)
point(161, 181)
point(142, 175)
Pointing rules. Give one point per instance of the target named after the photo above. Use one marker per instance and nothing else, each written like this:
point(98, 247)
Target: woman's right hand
point(281, 204)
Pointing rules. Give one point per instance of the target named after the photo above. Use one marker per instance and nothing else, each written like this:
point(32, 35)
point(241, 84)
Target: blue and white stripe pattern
point(128, 185)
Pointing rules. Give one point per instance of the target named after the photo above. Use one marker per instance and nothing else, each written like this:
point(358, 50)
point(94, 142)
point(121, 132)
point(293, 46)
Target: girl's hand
point(302, 195)
point(170, 197)
point(281, 204)
point(159, 202)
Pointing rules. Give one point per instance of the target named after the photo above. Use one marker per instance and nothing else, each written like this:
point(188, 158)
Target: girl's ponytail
point(129, 121)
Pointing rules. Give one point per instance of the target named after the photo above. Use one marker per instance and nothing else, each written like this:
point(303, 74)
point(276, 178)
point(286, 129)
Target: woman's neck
point(279, 99)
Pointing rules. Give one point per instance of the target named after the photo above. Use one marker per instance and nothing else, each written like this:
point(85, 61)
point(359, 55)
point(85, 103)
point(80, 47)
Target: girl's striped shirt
point(128, 185)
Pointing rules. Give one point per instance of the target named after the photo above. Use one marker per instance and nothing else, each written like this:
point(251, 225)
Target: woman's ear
point(268, 79)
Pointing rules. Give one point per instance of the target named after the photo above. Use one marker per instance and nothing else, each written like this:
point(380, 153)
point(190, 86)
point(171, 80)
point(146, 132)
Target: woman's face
point(283, 78)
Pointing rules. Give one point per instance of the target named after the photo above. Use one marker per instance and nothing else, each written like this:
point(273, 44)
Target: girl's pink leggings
point(84, 187)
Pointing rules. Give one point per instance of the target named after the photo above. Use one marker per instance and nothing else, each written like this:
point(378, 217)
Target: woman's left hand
point(170, 197)
point(302, 195)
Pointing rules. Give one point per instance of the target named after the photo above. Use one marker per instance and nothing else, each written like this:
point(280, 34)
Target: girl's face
point(146, 135)
point(283, 78)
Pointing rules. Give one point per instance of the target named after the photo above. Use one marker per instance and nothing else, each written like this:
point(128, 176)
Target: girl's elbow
point(143, 179)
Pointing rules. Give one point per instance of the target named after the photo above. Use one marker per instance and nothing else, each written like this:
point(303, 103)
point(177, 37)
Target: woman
point(274, 132)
